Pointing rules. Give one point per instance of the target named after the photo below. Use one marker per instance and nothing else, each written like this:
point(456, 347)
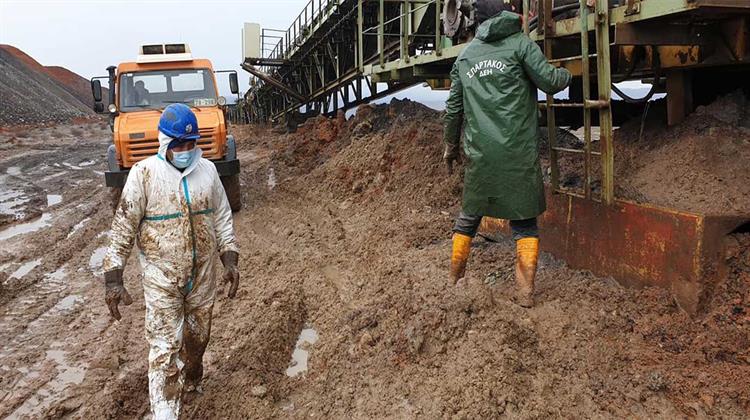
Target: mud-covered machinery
point(340, 53)
point(138, 91)
point(460, 16)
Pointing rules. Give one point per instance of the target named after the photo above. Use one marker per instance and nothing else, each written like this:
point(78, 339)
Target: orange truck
point(164, 74)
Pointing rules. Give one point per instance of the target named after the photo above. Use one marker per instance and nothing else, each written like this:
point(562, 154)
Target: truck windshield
point(157, 89)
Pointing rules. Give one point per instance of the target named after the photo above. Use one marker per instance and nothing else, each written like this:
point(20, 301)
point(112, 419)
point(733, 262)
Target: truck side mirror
point(98, 107)
point(96, 90)
point(234, 86)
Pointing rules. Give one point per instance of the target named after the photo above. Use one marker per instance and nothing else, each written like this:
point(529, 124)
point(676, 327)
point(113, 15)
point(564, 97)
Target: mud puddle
point(71, 166)
point(63, 307)
point(12, 200)
point(97, 257)
point(301, 353)
point(68, 374)
point(53, 199)
point(51, 284)
point(45, 314)
point(67, 303)
point(25, 269)
point(53, 176)
point(271, 179)
point(23, 228)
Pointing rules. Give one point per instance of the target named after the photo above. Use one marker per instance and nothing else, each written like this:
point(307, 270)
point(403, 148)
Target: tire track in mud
point(48, 274)
point(400, 343)
point(364, 264)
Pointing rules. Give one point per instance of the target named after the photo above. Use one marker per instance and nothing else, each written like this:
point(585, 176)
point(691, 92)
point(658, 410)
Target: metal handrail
point(424, 5)
point(304, 22)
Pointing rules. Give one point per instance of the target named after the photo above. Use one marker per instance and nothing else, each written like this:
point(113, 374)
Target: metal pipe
point(403, 52)
point(551, 125)
point(407, 20)
point(586, 78)
point(526, 10)
point(438, 35)
point(605, 94)
point(399, 16)
point(360, 35)
point(112, 83)
point(399, 34)
point(381, 30)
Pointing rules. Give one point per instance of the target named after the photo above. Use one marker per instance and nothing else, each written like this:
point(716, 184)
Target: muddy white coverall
point(180, 220)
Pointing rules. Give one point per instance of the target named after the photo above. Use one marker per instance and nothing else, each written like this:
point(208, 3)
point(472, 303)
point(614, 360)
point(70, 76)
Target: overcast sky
point(87, 36)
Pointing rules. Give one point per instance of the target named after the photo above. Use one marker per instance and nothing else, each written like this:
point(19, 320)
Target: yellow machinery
point(138, 91)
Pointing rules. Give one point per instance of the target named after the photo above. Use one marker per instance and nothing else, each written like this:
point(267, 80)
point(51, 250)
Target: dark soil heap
point(698, 166)
point(701, 165)
point(34, 94)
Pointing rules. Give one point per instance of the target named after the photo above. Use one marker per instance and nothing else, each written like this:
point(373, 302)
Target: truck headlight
point(112, 108)
point(221, 101)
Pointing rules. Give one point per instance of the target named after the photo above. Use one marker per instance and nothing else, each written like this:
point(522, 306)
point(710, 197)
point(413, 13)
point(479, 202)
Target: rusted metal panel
point(659, 34)
point(638, 245)
point(677, 56)
point(736, 34)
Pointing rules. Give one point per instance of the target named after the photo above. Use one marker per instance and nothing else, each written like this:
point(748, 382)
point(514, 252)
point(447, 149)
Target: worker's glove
point(231, 273)
point(450, 156)
point(114, 292)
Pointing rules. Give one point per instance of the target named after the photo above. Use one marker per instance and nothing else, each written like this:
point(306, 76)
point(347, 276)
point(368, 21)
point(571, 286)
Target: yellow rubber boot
point(460, 255)
point(527, 255)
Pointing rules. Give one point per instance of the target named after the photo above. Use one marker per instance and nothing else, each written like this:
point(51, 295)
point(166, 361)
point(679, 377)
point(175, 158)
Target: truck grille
point(137, 150)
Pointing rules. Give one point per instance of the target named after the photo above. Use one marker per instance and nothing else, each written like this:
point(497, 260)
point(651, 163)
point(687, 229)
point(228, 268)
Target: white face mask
point(182, 160)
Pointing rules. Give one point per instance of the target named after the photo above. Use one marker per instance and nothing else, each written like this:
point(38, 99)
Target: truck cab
point(139, 91)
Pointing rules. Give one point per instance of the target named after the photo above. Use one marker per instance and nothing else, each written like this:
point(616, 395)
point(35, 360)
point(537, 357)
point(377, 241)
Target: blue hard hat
point(179, 122)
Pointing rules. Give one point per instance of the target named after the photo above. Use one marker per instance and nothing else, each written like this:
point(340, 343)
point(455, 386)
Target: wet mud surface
point(698, 166)
point(344, 308)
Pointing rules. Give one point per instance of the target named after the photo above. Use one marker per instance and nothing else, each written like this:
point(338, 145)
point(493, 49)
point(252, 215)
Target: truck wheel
point(114, 197)
point(232, 188)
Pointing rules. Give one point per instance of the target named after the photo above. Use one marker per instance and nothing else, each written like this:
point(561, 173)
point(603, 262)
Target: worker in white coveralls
point(174, 204)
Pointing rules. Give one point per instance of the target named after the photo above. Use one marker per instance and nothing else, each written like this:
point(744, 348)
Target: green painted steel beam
point(448, 54)
point(586, 95)
point(602, 21)
point(546, 23)
point(360, 37)
point(649, 9)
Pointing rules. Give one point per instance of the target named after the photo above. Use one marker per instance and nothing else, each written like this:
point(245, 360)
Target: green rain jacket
point(494, 86)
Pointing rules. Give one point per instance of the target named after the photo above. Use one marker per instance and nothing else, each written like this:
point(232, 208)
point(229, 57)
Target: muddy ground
point(345, 235)
point(698, 166)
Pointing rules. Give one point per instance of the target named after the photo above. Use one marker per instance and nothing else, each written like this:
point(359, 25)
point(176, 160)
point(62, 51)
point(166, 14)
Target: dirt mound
point(699, 165)
point(75, 85)
point(368, 215)
point(33, 94)
point(348, 234)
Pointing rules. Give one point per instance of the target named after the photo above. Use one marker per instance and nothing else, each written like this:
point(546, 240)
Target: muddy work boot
point(459, 257)
point(527, 254)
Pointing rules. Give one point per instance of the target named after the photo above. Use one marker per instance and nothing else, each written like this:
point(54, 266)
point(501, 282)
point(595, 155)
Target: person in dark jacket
point(494, 88)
